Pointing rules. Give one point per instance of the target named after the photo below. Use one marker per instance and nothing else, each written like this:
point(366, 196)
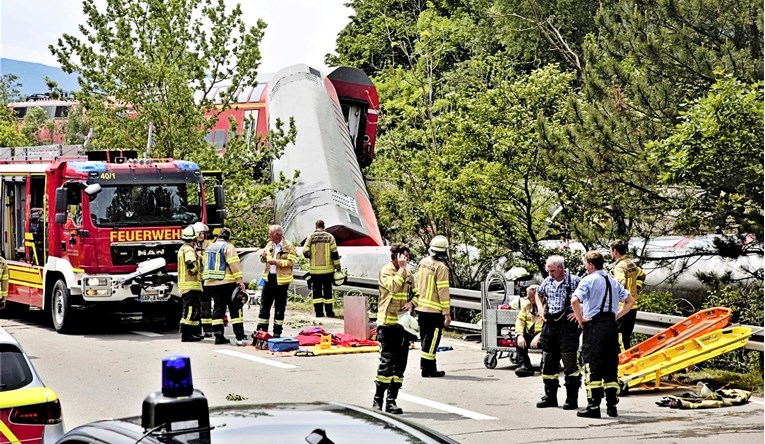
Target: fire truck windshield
point(146, 205)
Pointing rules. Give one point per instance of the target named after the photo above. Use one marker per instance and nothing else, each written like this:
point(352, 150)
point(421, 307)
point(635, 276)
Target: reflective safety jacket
point(285, 260)
point(189, 277)
point(527, 321)
point(222, 264)
point(321, 250)
point(3, 279)
point(395, 286)
point(632, 277)
point(433, 286)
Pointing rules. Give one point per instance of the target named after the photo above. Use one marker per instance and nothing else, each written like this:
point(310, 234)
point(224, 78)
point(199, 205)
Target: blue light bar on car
point(176, 376)
point(185, 165)
point(89, 167)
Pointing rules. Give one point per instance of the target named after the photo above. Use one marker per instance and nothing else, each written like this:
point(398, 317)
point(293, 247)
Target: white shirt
point(277, 250)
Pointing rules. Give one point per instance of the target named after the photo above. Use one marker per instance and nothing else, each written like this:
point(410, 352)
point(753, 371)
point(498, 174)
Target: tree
point(9, 127)
point(141, 62)
point(714, 158)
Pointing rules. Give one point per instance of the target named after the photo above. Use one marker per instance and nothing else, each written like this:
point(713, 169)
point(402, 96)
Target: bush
point(658, 302)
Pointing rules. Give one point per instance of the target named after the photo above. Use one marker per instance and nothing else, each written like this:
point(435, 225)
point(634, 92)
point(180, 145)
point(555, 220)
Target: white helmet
point(439, 245)
point(516, 273)
point(200, 227)
point(189, 233)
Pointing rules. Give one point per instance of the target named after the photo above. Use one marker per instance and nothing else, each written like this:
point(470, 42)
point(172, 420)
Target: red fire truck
point(100, 231)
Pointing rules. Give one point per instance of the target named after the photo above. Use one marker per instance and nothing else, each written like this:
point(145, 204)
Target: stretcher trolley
point(498, 320)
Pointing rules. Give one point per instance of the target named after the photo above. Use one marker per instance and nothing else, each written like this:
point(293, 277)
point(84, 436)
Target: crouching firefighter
point(595, 304)
point(222, 275)
point(190, 286)
point(395, 284)
point(560, 334)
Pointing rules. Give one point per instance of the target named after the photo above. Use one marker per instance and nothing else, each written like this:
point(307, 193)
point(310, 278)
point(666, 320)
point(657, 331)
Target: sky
point(299, 31)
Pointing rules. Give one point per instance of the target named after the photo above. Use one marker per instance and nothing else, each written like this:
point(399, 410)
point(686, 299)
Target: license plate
point(154, 297)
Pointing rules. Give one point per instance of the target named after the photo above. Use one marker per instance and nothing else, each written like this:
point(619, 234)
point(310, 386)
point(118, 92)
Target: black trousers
point(600, 351)
point(221, 295)
point(431, 329)
point(205, 309)
point(560, 342)
point(625, 325)
point(523, 353)
point(322, 292)
point(276, 295)
point(394, 353)
point(190, 313)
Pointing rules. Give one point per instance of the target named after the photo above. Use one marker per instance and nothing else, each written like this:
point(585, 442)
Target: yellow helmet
point(439, 245)
point(188, 233)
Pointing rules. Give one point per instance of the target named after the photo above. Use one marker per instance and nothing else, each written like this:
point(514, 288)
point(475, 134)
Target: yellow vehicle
point(30, 412)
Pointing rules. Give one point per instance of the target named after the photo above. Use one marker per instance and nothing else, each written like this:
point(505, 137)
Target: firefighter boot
point(329, 310)
point(318, 309)
point(593, 404)
point(611, 400)
point(591, 411)
point(572, 393)
point(550, 399)
point(390, 401)
point(377, 402)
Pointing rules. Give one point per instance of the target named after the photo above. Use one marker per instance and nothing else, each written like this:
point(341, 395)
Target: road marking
point(256, 359)
point(444, 407)
point(756, 401)
point(150, 334)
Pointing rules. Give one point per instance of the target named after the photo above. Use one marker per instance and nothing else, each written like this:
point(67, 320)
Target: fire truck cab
point(98, 231)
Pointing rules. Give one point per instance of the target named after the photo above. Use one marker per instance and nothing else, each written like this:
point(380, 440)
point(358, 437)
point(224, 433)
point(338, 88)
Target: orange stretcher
point(691, 327)
point(669, 360)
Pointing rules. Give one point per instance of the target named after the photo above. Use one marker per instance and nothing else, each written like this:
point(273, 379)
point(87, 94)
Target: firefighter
point(595, 304)
point(222, 275)
point(528, 327)
point(321, 251)
point(3, 282)
point(560, 334)
point(205, 304)
point(627, 273)
point(190, 285)
point(279, 257)
point(395, 284)
point(433, 305)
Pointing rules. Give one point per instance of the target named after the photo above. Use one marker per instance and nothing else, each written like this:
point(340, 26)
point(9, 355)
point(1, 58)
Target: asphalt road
point(106, 370)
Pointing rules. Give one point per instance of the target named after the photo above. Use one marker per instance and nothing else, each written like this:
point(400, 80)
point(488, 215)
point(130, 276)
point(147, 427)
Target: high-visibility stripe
point(384, 379)
point(8, 434)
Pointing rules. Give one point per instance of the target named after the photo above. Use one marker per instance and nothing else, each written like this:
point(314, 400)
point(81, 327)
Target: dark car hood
point(293, 422)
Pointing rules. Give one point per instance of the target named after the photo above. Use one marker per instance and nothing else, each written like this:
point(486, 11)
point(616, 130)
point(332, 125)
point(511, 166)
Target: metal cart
point(497, 337)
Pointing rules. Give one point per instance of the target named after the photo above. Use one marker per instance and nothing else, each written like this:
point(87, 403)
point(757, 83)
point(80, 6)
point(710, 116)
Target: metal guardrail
point(646, 323)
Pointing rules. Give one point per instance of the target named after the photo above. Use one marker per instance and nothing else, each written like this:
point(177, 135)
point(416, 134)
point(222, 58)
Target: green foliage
point(10, 134)
point(746, 302)
point(748, 378)
point(658, 302)
point(35, 121)
point(141, 61)
point(717, 158)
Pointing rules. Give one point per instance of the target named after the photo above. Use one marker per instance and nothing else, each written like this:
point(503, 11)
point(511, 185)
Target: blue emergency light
point(176, 376)
point(178, 406)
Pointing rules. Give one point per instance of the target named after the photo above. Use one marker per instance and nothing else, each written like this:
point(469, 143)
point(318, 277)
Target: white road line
point(256, 359)
point(444, 407)
point(150, 334)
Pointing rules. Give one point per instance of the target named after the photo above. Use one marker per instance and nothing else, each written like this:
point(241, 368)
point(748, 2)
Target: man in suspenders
point(595, 303)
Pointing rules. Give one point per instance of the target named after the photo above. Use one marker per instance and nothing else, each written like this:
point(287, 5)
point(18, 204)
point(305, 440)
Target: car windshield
point(146, 205)
point(14, 371)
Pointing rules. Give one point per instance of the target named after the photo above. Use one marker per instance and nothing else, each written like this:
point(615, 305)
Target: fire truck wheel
point(61, 311)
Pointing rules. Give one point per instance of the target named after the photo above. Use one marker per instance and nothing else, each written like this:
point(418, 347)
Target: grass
point(717, 379)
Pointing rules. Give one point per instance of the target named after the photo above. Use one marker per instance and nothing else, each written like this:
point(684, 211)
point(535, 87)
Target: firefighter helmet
point(200, 227)
point(189, 233)
point(339, 278)
point(438, 245)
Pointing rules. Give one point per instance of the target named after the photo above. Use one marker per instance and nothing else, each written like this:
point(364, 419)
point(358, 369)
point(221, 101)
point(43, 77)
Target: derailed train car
point(336, 128)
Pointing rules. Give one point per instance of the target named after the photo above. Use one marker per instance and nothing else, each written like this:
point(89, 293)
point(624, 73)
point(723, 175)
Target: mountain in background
point(32, 75)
